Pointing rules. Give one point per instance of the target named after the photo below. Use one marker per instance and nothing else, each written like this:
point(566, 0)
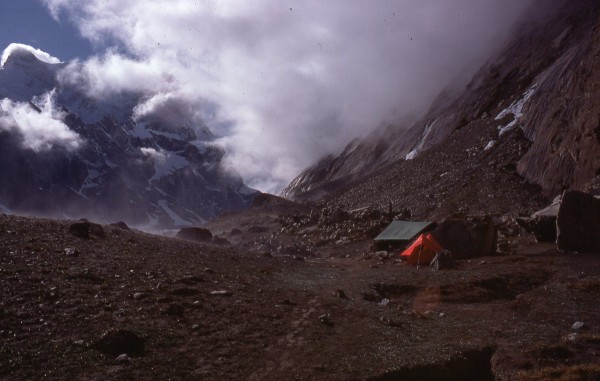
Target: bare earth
point(207, 312)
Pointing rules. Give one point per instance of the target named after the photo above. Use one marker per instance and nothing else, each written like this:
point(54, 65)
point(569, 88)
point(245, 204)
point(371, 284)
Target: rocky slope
point(148, 172)
point(539, 93)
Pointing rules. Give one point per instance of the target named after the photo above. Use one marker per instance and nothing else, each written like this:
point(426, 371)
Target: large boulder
point(467, 237)
point(195, 234)
point(86, 230)
point(578, 223)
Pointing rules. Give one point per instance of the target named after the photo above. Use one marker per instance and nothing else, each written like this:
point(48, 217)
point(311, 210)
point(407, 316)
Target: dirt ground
point(192, 311)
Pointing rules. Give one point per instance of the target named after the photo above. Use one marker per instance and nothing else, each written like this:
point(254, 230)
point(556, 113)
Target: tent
point(422, 251)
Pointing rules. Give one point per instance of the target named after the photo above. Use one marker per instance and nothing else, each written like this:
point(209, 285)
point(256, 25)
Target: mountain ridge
point(513, 89)
point(146, 172)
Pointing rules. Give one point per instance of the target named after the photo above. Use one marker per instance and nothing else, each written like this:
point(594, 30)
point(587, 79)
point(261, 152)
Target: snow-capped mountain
point(63, 153)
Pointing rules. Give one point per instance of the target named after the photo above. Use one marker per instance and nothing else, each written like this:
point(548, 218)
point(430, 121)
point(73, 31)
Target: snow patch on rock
point(515, 109)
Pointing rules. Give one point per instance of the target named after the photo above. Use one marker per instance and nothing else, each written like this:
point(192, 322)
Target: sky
point(29, 22)
point(281, 83)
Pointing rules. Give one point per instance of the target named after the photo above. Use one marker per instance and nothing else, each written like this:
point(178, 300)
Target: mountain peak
point(26, 53)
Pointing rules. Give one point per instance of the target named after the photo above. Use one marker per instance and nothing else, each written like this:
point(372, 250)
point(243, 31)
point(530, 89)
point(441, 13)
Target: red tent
point(422, 251)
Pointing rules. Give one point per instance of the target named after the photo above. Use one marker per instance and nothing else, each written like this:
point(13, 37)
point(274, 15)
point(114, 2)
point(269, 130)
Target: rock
point(123, 359)
point(467, 237)
point(117, 342)
point(341, 294)
point(86, 230)
point(577, 325)
point(371, 296)
point(578, 223)
point(138, 295)
point(384, 302)
point(121, 225)
point(195, 234)
point(382, 254)
point(442, 261)
point(221, 293)
point(326, 320)
point(71, 252)
point(235, 232)
point(220, 241)
point(191, 279)
point(257, 229)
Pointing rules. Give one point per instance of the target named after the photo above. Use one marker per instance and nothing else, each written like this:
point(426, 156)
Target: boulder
point(578, 223)
point(235, 232)
point(195, 234)
point(86, 230)
point(257, 229)
point(442, 261)
point(120, 225)
point(467, 237)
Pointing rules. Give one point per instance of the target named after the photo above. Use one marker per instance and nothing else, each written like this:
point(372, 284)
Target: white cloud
point(294, 80)
point(154, 154)
point(15, 47)
point(39, 123)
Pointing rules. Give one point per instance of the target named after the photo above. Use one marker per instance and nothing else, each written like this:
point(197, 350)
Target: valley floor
point(189, 311)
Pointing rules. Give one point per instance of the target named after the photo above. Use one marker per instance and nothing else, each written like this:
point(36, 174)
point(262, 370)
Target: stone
point(71, 252)
point(577, 325)
point(121, 225)
point(86, 230)
point(123, 359)
point(220, 241)
point(221, 293)
point(118, 341)
point(442, 261)
point(578, 223)
point(257, 229)
point(235, 232)
point(326, 320)
point(341, 294)
point(467, 237)
point(195, 234)
point(384, 302)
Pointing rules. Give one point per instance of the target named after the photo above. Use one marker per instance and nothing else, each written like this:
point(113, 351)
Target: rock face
point(150, 171)
point(467, 237)
point(578, 223)
point(541, 88)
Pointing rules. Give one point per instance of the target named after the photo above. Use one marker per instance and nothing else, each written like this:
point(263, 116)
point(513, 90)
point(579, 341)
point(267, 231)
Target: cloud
point(15, 47)
point(284, 82)
point(154, 154)
point(39, 123)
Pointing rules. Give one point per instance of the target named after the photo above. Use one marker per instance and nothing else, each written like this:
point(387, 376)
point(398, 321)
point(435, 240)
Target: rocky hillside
point(65, 154)
point(538, 94)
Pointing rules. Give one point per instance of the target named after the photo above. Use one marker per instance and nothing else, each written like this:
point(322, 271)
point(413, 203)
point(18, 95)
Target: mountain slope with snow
point(63, 153)
point(539, 92)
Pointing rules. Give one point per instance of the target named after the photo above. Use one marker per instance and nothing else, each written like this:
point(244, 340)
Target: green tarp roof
point(402, 230)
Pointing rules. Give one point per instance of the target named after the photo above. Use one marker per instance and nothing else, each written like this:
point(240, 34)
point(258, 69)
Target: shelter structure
point(399, 233)
point(422, 251)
